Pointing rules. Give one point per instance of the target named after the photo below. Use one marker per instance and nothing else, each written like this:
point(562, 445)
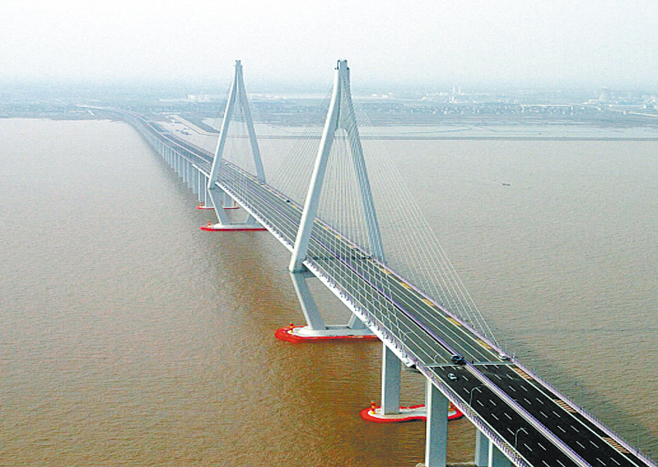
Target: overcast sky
point(591, 43)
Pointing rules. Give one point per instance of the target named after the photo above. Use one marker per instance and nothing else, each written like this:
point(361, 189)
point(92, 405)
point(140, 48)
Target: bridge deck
point(539, 423)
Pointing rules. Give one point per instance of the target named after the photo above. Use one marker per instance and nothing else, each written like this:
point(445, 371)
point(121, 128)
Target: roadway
point(544, 429)
point(433, 336)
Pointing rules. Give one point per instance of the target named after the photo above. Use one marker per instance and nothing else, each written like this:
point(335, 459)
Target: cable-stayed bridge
point(520, 419)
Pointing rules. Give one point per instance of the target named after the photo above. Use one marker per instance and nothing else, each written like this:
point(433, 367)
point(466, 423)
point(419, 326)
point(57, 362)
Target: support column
point(315, 328)
point(217, 197)
point(481, 449)
point(205, 200)
point(436, 438)
point(188, 173)
point(309, 307)
point(497, 458)
point(391, 370)
point(195, 180)
point(355, 323)
point(200, 187)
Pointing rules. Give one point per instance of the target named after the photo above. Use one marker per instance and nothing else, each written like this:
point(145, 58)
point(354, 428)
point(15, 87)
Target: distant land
point(461, 113)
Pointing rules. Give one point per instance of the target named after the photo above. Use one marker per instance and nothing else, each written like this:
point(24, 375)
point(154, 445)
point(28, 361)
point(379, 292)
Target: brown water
point(130, 337)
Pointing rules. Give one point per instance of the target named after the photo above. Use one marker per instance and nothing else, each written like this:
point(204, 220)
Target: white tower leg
point(309, 307)
point(340, 115)
point(237, 96)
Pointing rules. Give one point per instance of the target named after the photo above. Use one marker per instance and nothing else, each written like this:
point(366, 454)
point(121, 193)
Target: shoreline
point(448, 128)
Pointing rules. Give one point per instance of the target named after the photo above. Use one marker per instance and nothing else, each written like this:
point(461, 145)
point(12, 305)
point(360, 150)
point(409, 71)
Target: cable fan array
point(410, 246)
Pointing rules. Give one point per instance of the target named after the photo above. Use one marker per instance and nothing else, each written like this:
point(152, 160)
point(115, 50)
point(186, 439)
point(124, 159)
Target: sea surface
point(130, 337)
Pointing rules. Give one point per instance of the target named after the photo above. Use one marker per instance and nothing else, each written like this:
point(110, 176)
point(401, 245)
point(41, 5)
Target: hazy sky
point(589, 43)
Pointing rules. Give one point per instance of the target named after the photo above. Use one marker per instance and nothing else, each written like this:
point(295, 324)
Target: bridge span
point(520, 419)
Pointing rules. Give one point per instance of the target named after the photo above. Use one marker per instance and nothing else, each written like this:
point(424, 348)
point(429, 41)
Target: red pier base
point(230, 228)
point(287, 334)
point(205, 208)
point(407, 414)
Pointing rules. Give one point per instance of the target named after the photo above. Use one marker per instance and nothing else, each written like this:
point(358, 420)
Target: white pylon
point(220, 199)
point(340, 116)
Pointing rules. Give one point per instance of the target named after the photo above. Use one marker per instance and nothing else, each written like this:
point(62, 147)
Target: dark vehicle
point(458, 360)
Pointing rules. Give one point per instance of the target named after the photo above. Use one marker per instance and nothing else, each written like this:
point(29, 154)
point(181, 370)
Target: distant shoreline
point(366, 137)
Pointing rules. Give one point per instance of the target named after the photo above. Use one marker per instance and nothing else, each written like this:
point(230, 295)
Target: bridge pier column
point(355, 323)
point(497, 458)
point(206, 197)
point(481, 449)
point(391, 371)
point(309, 307)
point(186, 165)
point(228, 201)
point(217, 196)
point(191, 177)
point(196, 176)
point(316, 329)
point(201, 187)
point(436, 434)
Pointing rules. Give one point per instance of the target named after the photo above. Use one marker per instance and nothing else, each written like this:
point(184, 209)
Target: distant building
point(204, 97)
point(604, 95)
